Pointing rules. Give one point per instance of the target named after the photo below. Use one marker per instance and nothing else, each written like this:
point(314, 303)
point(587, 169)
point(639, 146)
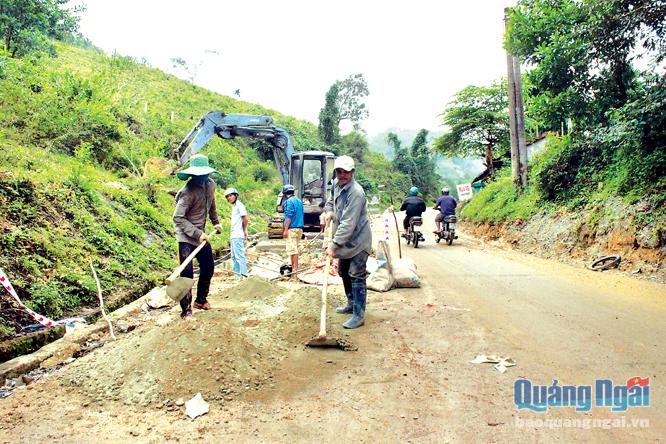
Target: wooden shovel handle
point(189, 258)
point(324, 288)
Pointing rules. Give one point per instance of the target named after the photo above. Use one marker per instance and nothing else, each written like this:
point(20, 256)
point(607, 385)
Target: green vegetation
point(581, 56)
point(478, 124)
point(500, 201)
point(85, 171)
point(344, 101)
point(27, 25)
point(417, 163)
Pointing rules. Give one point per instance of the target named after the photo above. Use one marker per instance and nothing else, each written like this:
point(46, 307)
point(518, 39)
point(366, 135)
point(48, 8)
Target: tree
point(416, 162)
point(478, 124)
point(355, 145)
point(582, 52)
point(26, 25)
point(343, 102)
point(329, 130)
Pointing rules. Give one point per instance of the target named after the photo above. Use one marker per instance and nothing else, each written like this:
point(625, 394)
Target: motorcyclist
point(446, 206)
point(413, 206)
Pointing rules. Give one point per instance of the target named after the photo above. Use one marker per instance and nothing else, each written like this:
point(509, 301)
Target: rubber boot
point(359, 292)
point(346, 308)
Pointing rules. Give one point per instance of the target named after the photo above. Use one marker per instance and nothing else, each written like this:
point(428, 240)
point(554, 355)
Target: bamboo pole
point(101, 300)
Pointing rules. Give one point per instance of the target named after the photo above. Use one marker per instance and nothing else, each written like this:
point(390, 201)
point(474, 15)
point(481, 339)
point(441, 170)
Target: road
point(411, 380)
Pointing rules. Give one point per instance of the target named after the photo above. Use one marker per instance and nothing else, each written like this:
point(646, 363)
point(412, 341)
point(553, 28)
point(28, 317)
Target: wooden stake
point(101, 301)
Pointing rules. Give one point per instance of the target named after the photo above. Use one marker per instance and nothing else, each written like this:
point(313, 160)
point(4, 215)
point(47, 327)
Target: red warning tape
point(4, 280)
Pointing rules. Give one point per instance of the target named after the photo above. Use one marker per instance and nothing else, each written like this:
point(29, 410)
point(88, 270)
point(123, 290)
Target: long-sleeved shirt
point(193, 204)
point(351, 226)
point(413, 206)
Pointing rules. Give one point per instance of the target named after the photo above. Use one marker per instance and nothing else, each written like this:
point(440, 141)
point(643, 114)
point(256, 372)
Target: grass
point(501, 202)
point(78, 134)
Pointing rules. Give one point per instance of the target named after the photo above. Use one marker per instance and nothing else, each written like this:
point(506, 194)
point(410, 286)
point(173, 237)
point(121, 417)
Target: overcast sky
point(286, 54)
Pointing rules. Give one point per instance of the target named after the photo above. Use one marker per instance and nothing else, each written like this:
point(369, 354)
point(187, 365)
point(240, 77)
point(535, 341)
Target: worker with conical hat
point(195, 203)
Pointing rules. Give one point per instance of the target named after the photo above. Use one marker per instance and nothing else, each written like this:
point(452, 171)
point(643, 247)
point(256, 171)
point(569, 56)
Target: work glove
point(204, 237)
point(218, 227)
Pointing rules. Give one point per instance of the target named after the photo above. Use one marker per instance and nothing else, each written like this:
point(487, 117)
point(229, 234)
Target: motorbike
point(447, 230)
point(414, 234)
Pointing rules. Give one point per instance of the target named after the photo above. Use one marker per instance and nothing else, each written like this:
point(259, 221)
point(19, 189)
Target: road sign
point(464, 191)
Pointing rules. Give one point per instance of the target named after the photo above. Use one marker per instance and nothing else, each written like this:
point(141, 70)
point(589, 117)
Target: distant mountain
point(453, 170)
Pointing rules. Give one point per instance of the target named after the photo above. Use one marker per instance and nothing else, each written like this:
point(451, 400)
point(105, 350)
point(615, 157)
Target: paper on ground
point(196, 406)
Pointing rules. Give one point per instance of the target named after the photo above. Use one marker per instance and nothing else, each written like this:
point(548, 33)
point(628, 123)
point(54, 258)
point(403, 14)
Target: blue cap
point(413, 191)
point(288, 189)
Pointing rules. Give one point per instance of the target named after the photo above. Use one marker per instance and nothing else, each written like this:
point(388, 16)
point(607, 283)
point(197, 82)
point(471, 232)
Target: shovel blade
point(179, 287)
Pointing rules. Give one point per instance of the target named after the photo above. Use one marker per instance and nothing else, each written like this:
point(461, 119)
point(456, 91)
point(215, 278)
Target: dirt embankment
point(581, 237)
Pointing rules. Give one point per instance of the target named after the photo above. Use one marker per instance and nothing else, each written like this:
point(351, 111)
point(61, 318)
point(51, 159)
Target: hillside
point(602, 210)
point(84, 171)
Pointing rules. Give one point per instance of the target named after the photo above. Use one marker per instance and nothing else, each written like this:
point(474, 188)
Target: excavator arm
point(230, 126)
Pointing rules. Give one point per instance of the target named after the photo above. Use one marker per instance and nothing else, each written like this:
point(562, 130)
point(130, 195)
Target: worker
point(413, 206)
point(293, 224)
point(351, 239)
point(194, 203)
point(238, 232)
point(446, 206)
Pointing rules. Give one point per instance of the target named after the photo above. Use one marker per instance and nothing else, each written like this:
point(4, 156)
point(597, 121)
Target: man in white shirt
point(238, 232)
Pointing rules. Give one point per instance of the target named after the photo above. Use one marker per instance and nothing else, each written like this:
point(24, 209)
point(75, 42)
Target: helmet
point(445, 190)
point(229, 191)
point(413, 191)
point(288, 189)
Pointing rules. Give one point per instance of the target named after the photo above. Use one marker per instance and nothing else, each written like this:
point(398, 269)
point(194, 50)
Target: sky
point(286, 54)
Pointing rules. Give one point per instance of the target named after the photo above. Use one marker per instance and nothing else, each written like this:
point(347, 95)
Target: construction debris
point(196, 406)
point(501, 363)
point(157, 298)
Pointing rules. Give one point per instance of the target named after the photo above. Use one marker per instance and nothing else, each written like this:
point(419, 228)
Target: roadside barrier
point(4, 280)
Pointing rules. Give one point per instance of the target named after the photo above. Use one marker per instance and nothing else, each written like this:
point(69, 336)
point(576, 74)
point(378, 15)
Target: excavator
point(310, 172)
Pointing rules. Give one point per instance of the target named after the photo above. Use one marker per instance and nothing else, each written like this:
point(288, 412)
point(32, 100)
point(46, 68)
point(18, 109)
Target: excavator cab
point(311, 174)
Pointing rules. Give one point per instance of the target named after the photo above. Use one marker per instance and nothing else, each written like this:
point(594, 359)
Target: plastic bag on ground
point(315, 275)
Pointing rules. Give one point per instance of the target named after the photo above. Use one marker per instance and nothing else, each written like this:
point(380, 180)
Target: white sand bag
point(381, 279)
point(404, 273)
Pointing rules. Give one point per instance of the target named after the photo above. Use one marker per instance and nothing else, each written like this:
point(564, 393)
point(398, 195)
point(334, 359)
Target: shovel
point(321, 340)
point(178, 286)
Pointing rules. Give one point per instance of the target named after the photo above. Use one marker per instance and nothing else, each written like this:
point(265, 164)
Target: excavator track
point(275, 228)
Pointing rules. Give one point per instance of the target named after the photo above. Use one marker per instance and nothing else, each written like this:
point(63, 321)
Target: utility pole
point(516, 116)
point(520, 121)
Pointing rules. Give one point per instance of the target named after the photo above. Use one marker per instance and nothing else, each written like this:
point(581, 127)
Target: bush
point(571, 169)
point(264, 172)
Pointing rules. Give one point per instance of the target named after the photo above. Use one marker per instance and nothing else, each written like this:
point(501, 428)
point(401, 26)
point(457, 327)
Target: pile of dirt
point(226, 351)
point(172, 361)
